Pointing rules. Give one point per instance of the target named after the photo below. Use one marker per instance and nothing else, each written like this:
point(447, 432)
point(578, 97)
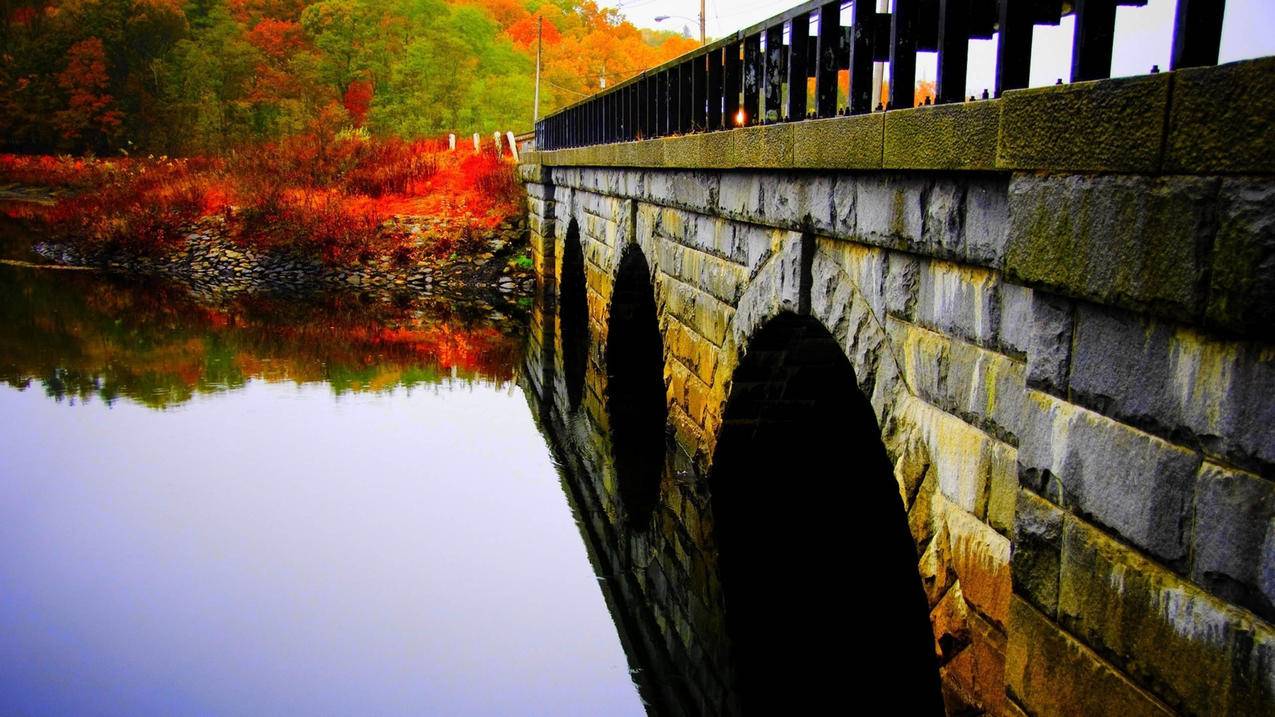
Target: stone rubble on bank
point(209, 261)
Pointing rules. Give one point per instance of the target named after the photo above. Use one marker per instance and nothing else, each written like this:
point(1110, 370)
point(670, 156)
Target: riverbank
point(305, 214)
point(209, 262)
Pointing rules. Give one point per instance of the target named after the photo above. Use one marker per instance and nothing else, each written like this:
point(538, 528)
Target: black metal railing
point(760, 75)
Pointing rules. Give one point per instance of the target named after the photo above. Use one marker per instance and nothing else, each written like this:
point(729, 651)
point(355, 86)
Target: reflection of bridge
point(1003, 368)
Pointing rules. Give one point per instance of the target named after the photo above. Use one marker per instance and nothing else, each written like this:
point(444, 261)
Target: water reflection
point(310, 533)
point(80, 336)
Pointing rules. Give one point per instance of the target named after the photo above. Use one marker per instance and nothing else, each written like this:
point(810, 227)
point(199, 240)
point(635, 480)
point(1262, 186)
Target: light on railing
point(739, 118)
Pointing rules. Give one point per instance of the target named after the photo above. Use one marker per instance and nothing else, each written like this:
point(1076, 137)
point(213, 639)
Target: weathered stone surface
point(889, 209)
point(901, 282)
point(1127, 241)
point(797, 202)
point(1111, 125)
point(1131, 482)
point(1050, 674)
point(1220, 119)
point(1016, 318)
point(956, 136)
point(959, 300)
point(1037, 551)
point(981, 386)
point(980, 558)
point(1049, 342)
point(963, 457)
point(1242, 283)
point(839, 143)
point(1233, 515)
point(986, 226)
point(1165, 632)
point(1175, 381)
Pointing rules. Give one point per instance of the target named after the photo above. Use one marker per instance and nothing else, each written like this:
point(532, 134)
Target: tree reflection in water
point(81, 336)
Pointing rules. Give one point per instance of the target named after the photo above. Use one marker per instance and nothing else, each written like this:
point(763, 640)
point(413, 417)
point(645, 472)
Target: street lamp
point(662, 18)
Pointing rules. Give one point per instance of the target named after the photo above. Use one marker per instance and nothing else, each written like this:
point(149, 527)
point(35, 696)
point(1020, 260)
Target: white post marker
point(513, 146)
point(495, 138)
point(476, 145)
point(451, 142)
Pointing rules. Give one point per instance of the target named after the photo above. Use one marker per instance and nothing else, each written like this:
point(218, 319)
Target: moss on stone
point(1107, 125)
point(955, 136)
point(1220, 119)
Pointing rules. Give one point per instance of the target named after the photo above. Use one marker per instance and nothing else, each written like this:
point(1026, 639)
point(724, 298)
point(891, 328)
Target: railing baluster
point(1014, 46)
point(903, 54)
point(733, 82)
point(686, 94)
point(954, 50)
point(826, 65)
point(862, 37)
point(1197, 33)
point(774, 76)
point(699, 93)
point(714, 96)
point(1091, 44)
point(752, 77)
point(798, 66)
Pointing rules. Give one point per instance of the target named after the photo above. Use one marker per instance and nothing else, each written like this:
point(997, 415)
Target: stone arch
point(573, 315)
point(803, 497)
point(635, 396)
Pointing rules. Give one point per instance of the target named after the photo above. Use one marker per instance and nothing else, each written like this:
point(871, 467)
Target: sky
point(1143, 35)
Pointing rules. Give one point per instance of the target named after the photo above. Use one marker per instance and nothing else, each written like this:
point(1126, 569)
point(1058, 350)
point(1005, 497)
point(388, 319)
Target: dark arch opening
point(635, 388)
point(804, 502)
point(573, 312)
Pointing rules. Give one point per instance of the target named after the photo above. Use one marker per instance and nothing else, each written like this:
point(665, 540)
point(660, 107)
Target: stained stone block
point(889, 209)
point(986, 228)
point(1242, 283)
point(1048, 336)
point(1170, 636)
point(839, 143)
point(1128, 241)
point(1220, 119)
point(1234, 512)
point(1016, 318)
point(1128, 481)
point(902, 278)
point(1037, 551)
point(959, 300)
point(1050, 674)
point(1108, 125)
point(1173, 380)
point(955, 136)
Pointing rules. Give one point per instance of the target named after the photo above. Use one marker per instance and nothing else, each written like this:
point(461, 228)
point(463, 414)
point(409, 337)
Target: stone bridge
point(968, 406)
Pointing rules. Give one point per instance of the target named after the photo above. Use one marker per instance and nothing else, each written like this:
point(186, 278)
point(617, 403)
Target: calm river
point(338, 506)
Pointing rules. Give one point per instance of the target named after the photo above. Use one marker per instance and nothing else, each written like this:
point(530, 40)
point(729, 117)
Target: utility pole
point(702, 36)
point(540, 26)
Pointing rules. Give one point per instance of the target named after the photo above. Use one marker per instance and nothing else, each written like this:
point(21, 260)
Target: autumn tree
point(90, 120)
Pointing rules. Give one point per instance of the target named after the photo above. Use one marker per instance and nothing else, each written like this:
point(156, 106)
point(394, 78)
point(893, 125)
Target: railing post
point(1197, 33)
point(752, 77)
point(1093, 38)
point(862, 54)
point(699, 93)
point(798, 66)
point(714, 94)
point(774, 72)
point(954, 50)
point(732, 81)
point(685, 96)
point(1014, 46)
point(903, 54)
point(829, 40)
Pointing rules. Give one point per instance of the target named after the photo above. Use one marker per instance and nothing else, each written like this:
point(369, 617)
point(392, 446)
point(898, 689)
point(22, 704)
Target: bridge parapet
point(1061, 307)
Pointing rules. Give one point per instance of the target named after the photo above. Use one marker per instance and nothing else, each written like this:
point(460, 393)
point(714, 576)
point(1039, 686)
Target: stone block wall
point(1072, 367)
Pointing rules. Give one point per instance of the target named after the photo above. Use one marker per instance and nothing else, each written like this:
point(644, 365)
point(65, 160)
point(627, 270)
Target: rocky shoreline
point(209, 262)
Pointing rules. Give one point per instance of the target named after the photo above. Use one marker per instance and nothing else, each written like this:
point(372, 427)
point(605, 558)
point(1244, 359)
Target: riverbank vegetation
point(340, 197)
